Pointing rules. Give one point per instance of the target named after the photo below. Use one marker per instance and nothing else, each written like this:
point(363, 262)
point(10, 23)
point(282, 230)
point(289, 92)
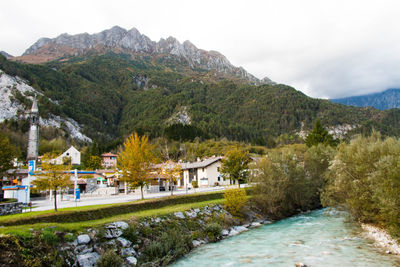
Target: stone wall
point(10, 208)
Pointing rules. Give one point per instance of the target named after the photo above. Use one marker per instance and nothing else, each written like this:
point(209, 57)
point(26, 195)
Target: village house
point(205, 172)
point(109, 160)
point(71, 153)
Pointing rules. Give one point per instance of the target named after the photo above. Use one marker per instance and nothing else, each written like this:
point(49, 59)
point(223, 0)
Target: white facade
point(72, 153)
point(206, 173)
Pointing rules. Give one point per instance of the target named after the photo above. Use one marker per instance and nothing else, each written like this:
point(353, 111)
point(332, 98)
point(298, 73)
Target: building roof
point(18, 171)
point(200, 164)
point(109, 154)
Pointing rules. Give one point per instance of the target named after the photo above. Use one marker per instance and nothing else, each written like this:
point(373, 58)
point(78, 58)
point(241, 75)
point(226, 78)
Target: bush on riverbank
point(365, 180)
point(290, 179)
point(235, 200)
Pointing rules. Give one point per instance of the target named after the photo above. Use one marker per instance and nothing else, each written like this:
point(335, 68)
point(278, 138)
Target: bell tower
point(33, 139)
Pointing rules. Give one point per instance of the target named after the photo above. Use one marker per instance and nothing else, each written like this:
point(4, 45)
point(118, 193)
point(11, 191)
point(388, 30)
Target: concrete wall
point(10, 208)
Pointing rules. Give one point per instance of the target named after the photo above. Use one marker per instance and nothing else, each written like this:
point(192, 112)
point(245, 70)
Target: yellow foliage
point(235, 200)
point(135, 160)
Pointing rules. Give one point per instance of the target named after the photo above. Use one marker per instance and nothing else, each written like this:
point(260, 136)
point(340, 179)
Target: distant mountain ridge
point(384, 100)
point(132, 41)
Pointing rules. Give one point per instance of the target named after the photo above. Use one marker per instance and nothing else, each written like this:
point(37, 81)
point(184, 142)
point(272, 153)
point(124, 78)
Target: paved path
point(111, 199)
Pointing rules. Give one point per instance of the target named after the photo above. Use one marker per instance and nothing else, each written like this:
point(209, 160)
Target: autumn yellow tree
point(52, 177)
point(136, 160)
point(172, 171)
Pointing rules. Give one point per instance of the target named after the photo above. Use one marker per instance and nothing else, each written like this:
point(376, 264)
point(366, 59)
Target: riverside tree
point(364, 178)
point(135, 160)
point(52, 177)
point(7, 155)
point(235, 165)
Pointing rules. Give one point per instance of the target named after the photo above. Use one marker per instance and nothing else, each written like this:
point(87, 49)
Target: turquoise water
point(318, 238)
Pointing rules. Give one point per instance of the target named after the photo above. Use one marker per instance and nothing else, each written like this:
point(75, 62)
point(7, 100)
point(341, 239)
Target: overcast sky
point(323, 48)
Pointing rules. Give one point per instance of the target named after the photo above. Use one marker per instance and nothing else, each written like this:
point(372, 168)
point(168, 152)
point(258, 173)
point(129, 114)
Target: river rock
point(179, 215)
point(255, 224)
point(83, 239)
point(191, 214)
point(83, 249)
point(121, 225)
point(113, 233)
point(124, 242)
point(225, 232)
point(196, 243)
point(233, 232)
point(126, 252)
point(240, 228)
point(88, 260)
point(300, 264)
point(131, 260)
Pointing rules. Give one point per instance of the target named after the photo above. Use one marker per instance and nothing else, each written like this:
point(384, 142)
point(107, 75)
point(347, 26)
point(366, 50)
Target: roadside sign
point(77, 194)
point(31, 166)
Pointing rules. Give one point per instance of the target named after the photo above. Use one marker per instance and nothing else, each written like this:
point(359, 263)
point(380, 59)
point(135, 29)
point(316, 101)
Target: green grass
point(77, 226)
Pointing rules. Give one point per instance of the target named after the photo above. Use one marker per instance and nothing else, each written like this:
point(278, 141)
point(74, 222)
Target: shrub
point(213, 231)
point(235, 200)
point(131, 234)
point(49, 237)
point(69, 237)
point(110, 259)
point(171, 245)
point(195, 184)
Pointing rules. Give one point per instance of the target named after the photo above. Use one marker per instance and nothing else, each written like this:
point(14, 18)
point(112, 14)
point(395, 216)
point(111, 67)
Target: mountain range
point(383, 100)
point(117, 81)
point(132, 42)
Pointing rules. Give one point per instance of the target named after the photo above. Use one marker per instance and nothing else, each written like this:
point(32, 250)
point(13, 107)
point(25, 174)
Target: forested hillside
point(112, 95)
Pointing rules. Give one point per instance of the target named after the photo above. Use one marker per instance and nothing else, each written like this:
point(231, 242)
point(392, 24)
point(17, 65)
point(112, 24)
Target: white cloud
point(330, 48)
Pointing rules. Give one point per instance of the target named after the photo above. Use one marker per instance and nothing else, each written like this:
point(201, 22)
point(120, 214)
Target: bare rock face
point(120, 40)
point(7, 55)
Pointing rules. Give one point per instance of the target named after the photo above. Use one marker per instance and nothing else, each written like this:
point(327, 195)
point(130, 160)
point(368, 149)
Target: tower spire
point(33, 139)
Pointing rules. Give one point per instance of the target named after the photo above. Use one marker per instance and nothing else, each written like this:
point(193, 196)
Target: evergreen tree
point(319, 135)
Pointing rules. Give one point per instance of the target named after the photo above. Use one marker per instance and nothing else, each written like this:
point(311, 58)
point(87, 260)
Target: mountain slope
point(131, 42)
point(112, 95)
point(16, 100)
point(384, 100)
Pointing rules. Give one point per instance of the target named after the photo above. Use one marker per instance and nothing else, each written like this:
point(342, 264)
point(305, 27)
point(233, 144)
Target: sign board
point(31, 166)
point(77, 194)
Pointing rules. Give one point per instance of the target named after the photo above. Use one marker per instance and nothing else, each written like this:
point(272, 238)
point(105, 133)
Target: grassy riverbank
point(156, 232)
point(77, 219)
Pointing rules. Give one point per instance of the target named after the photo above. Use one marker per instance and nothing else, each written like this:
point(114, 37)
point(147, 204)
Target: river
point(318, 238)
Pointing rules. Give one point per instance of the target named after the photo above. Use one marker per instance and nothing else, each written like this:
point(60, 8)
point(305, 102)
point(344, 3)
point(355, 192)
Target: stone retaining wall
point(10, 208)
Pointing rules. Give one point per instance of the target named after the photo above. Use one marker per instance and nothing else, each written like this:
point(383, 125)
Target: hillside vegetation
point(113, 95)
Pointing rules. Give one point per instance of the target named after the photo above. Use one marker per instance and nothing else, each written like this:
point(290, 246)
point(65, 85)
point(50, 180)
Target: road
point(48, 204)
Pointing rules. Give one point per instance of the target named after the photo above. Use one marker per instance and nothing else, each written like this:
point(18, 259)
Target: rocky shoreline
point(134, 242)
point(381, 238)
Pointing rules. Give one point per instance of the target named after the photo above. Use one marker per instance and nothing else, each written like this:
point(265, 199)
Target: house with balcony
point(109, 160)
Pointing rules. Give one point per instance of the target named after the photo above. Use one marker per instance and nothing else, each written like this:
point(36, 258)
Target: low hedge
point(110, 211)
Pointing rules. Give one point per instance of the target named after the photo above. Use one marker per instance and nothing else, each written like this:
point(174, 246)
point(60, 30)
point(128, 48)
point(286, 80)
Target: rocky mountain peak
point(7, 55)
point(132, 41)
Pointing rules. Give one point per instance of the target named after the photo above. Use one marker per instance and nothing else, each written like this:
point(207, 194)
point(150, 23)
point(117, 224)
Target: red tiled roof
point(109, 155)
